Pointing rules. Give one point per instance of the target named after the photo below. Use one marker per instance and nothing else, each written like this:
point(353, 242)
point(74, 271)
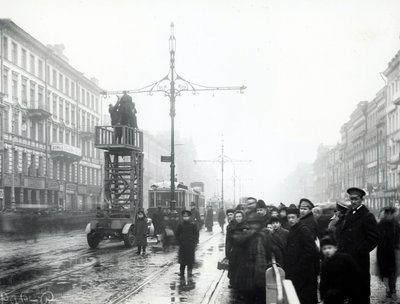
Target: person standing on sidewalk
point(388, 244)
point(209, 221)
point(195, 217)
point(221, 219)
point(300, 258)
point(358, 237)
point(140, 232)
point(187, 236)
point(279, 240)
point(230, 213)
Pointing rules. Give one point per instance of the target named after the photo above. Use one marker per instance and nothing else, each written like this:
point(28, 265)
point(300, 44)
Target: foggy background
point(306, 65)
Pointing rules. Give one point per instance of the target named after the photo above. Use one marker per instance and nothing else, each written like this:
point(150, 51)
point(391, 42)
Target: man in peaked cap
point(299, 258)
point(307, 217)
point(358, 237)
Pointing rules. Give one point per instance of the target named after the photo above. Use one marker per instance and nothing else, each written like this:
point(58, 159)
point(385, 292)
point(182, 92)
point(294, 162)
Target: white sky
point(306, 65)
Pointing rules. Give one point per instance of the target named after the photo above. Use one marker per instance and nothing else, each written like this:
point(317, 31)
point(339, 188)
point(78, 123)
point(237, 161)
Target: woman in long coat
point(235, 252)
point(140, 231)
point(256, 246)
point(389, 234)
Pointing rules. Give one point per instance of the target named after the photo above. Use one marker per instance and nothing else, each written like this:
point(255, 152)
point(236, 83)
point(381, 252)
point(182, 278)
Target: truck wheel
point(129, 238)
point(93, 239)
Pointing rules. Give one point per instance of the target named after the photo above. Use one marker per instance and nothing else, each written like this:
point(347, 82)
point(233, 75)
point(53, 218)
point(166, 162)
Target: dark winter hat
point(261, 204)
point(141, 212)
point(293, 211)
point(292, 206)
point(356, 191)
point(274, 219)
point(327, 240)
point(186, 212)
point(282, 207)
point(342, 206)
point(306, 201)
point(389, 209)
point(274, 208)
point(230, 211)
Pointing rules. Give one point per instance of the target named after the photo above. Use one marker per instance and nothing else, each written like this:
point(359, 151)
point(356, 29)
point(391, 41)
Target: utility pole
point(222, 159)
point(172, 85)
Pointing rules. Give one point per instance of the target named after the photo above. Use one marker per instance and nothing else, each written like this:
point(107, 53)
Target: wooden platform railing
point(113, 137)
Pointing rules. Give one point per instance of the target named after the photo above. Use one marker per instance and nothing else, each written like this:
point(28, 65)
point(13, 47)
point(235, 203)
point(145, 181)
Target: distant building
point(321, 176)
point(47, 118)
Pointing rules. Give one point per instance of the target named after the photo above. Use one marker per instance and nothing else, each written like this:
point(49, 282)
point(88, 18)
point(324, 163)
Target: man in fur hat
point(263, 212)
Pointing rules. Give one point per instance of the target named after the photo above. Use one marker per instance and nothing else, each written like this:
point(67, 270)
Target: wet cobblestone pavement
point(61, 268)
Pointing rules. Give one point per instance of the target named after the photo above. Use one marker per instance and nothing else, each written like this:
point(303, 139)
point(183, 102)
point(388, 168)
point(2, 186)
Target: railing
point(118, 137)
point(38, 105)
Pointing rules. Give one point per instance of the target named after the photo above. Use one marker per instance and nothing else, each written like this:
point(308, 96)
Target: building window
point(5, 47)
point(40, 132)
point(92, 102)
point(97, 105)
point(61, 107)
point(32, 93)
point(24, 164)
point(73, 140)
point(6, 161)
point(87, 99)
point(6, 121)
point(14, 86)
point(54, 134)
point(40, 69)
point(15, 161)
point(33, 131)
point(83, 96)
point(73, 176)
point(61, 171)
point(67, 135)
point(40, 170)
point(55, 169)
point(54, 106)
point(40, 94)
point(5, 81)
point(67, 112)
point(14, 53)
point(73, 115)
point(67, 86)
point(54, 78)
point(61, 136)
point(32, 64)
point(24, 91)
point(72, 90)
point(23, 58)
point(61, 82)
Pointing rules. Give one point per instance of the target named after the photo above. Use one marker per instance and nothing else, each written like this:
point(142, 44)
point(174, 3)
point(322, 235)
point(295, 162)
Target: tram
point(160, 196)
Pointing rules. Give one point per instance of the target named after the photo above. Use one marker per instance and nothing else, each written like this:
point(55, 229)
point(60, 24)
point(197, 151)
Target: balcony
point(65, 152)
point(86, 132)
point(38, 110)
point(119, 139)
point(394, 159)
point(396, 98)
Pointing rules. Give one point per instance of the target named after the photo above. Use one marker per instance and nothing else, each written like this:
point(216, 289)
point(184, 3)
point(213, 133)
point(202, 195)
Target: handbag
point(223, 264)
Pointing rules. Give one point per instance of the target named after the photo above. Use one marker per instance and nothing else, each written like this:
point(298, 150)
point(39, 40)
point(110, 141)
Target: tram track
point(118, 298)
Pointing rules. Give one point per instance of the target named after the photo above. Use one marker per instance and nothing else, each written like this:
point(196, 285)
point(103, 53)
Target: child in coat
point(140, 232)
point(187, 236)
point(339, 275)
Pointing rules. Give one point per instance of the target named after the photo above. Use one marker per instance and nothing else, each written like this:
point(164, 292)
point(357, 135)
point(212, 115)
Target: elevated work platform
point(119, 140)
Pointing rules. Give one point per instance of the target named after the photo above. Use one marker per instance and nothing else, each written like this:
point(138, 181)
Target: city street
point(61, 268)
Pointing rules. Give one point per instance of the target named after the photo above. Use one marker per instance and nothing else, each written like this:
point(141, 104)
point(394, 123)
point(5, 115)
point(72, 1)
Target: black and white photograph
point(202, 151)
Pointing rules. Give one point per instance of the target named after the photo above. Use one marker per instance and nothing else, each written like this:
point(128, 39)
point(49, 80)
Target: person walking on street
point(158, 219)
point(195, 217)
point(209, 222)
point(140, 231)
point(339, 279)
point(300, 259)
point(221, 219)
point(358, 237)
point(187, 236)
point(388, 244)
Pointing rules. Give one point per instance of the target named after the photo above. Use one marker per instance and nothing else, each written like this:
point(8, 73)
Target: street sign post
point(166, 159)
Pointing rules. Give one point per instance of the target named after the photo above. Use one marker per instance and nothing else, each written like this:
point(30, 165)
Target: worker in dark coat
point(230, 213)
point(126, 108)
point(257, 249)
point(358, 237)
point(195, 217)
point(262, 211)
point(336, 221)
point(140, 231)
point(388, 244)
point(307, 216)
point(300, 258)
point(282, 215)
point(279, 240)
point(339, 274)
point(187, 236)
point(158, 219)
point(209, 221)
point(236, 252)
point(221, 219)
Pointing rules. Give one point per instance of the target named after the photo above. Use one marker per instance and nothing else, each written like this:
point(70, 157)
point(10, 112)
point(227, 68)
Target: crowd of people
point(327, 262)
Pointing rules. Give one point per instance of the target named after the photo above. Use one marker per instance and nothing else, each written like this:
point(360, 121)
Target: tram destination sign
point(166, 159)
